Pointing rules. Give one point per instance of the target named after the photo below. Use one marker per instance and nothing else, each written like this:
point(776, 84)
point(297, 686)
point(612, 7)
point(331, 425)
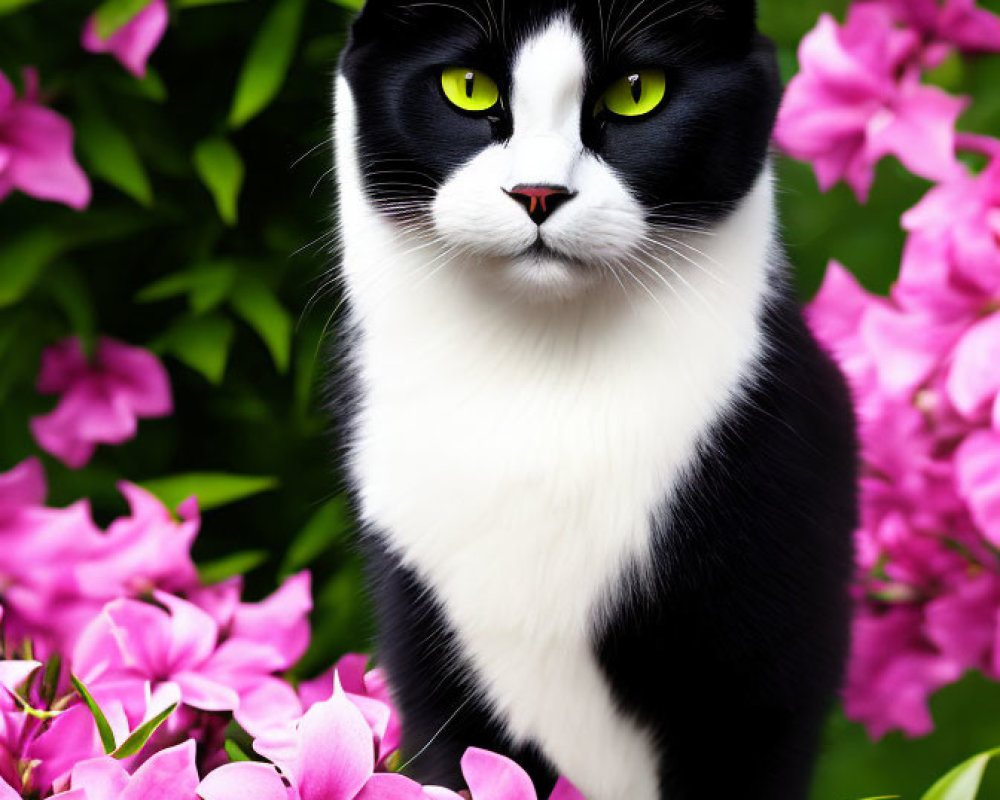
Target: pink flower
point(958, 23)
point(133, 43)
point(57, 569)
point(327, 755)
point(494, 777)
point(893, 672)
point(168, 775)
point(952, 263)
point(37, 755)
point(39, 549)
point(22, 487)
point(369, 691)
point(962, 620)
point(36, 149)
point(69, 739)
point(177, 647)
point(275, 634)
point(974, 377)
point(100, 400)
point(977, 465)
point(858, 98)
point(146, 550)
point(137, 642)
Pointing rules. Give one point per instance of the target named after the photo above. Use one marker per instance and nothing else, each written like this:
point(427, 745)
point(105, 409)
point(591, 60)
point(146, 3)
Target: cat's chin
point(542, 277)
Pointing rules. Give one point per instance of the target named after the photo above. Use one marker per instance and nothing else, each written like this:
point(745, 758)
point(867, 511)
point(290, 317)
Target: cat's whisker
point(663, 279)
point(709, 307)
point(453, 7)
point(661, 243)
point(672, 244)
point(650, 293)
point(657, 9)
point(322, 238)
point(325, 143)
point(693, 249)
point(320, 180)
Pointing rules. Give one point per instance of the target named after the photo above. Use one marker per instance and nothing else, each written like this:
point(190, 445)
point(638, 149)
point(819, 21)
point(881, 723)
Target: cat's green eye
point(635, 95)
point(470, 89)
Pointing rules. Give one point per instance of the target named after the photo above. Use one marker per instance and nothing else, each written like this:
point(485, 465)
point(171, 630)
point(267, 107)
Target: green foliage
point(964, 781)
point(235, 752)
point(108, 153)
point(213, 490)
point(221, 170)
point(229, 567)
point(136, 740)
point(268, 61)
point(211, 180)
point(323, 529)
point(101, 721)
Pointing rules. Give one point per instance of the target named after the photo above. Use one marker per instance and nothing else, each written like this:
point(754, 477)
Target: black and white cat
point(606, 476)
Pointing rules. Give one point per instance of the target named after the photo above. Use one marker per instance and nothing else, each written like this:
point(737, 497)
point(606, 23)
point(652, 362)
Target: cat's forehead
point(610, 29)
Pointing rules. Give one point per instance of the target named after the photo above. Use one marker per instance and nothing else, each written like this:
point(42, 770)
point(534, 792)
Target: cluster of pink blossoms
point(923, 363)
point(122, 671)
point(36, 143)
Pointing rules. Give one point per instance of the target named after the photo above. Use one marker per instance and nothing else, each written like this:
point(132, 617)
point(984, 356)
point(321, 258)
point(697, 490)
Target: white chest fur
point(514, 453)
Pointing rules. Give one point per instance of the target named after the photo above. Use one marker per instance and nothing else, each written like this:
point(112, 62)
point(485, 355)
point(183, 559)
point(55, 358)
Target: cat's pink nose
point(540, 201)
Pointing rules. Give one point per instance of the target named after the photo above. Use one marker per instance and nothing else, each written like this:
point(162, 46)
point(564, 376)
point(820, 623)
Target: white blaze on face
point(597, 227)
point(547, 102)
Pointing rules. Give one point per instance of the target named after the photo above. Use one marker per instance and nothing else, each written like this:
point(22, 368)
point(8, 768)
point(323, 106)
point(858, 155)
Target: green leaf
point(963, 782)
point(213, 489)
point(213, 283)
point(231, 566)
point(138, 738)
point(110, 155)
point(220, 168)
point(262, 311)
point(151, 86)
point(235, 752)
point(172, 285)
point(268, 61)
point(103, 728)
point(323, 529)
point(350, 5)
point(10, 6)
point(207, 284)
point(114, 14)
point(203, 343)
point(23, 260)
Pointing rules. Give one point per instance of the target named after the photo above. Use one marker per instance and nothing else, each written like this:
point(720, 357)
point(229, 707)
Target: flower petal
point(492, 776)
point(336, 751)
point(169, 775)
point(390, 786)
point(564, 790)
point(101, 777)
point(247, 780)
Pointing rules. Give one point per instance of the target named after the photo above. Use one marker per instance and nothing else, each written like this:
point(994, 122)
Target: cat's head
point(555, 139)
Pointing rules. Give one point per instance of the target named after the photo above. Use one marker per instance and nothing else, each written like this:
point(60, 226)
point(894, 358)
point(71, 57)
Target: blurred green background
point(208, 240)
